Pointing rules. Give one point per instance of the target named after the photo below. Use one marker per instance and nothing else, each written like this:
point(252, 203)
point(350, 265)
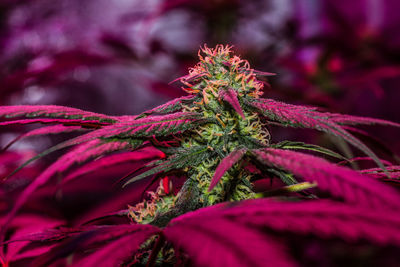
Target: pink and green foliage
point(54, 113)
point(341, 182)
point(214, 145)
point(226, 164)
point(306, 117)
point(231, 97)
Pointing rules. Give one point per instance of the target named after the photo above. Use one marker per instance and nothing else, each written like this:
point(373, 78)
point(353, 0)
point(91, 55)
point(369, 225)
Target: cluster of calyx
point(219, 85)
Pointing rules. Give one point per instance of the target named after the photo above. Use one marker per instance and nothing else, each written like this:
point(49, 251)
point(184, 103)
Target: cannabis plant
point(218, 140)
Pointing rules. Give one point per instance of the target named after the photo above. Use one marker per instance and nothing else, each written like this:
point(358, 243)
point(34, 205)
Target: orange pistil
point(190, 90)
point(205, 98)
point(220, 121)
point(200, 103)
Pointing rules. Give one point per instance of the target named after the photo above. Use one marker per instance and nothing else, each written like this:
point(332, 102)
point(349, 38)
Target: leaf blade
point(225, 164)
point(229, 95)
point(339, 181)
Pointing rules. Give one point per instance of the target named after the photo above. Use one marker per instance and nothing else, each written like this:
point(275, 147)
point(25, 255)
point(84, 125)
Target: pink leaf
point(54, 129)
point(170, 106)
point(78, 155)
point(301, 116)
point(225, 164)
point(143, 154)
point(354, 120)
point(144, 127)
point(229, 95)
point(218, 241)
point(377, 173)
point(149, 126)
point(339, 181)
point(52, 111)
point(263, 73)
point(323, 218)
point(71, 122)
point(189, 77)
point(23, 227)
point(49, 235)
point(120, 250)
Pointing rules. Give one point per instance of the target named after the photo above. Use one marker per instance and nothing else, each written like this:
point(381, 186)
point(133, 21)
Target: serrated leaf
point(97, 243)
point(145, 127)
point(217, 241)
point(344, 119)
point(119, 250)
point(151, 126)
point(311, 147)
point(308, 117)
point(186, 157)
point(80, 154)
point(377, 173)
point(171, 106)
point(323, 218)
point(225, 164)
point(339, 181)
point(108, 161)
point(53, 129)
point(52, 111)
point(67, 122)
point(229, 95)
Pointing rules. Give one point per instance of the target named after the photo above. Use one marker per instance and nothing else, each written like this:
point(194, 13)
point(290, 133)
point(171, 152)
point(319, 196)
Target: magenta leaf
point(377, 173)
point(225, 164)
point(144, 127)
point(149, 126)
point(217, 241)
point(355, 120)
point(170, 106)
point(263, 73)
point(53, 129)
point(99, 245)
point(229, 95)
point(53, 112)
point(189, 77)
point(108, 161)
point(301, 116)
point(179, 160)
point(71, 122)
point(78, 155)
point(121, 249)
point(27, 228)
point(49, 235)
point(339, 181)
point(323, 218)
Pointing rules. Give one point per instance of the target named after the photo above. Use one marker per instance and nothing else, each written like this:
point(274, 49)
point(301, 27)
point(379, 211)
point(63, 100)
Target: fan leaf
point(339, 181)
point(171, 106)
point(217, 241)
point(53, 112)
point(306, 117)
